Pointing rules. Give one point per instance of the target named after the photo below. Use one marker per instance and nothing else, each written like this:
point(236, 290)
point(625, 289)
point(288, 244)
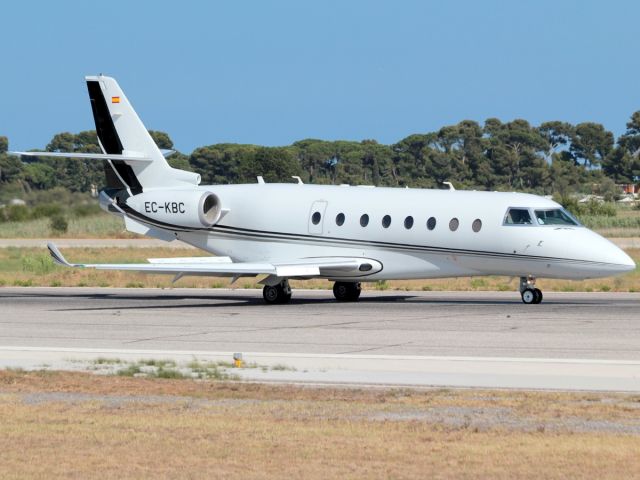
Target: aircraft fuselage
point(413, 233)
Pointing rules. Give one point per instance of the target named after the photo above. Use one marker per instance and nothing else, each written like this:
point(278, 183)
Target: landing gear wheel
point(539, 295)
point(347, 291)
point(274, 294)
point(270, 293)
point(530, 296)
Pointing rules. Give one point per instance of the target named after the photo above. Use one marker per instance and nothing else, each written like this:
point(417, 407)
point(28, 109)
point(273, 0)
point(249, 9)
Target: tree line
point(554, 157)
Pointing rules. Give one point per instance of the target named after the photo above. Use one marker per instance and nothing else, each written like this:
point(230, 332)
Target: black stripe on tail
point(110, 140)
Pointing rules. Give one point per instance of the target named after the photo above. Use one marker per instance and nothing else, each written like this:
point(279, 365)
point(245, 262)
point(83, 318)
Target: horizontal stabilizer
point(86, 156)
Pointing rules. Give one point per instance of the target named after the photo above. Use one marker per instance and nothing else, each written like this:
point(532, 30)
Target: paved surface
point(571, 341)
point(622, 242)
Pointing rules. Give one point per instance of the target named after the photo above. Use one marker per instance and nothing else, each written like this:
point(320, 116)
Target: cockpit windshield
point(556, 216)
point(518, 216)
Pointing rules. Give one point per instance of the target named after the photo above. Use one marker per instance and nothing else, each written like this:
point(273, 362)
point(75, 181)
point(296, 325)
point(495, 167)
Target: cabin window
point(476, 225)
point(454, 223)
point(315, 218)
point(518, 216)
point(340, 219)
point(431, 223)
point(408, 222)
point(386, 221)
point(556, 216)
point(364, 220)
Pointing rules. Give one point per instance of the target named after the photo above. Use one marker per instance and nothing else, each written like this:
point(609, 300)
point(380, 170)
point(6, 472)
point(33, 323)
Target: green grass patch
point(599, 222)
point(129, 371)
point(478, 283)
point(96, 225)
point(279, 367)
point(151, 368)
point(157, 363)
point(107, 361)
point(168, 373)
point(38, 263)
point(211, 370)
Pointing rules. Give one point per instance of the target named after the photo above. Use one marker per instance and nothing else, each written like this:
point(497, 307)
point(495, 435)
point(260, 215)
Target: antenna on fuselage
point(449, 184)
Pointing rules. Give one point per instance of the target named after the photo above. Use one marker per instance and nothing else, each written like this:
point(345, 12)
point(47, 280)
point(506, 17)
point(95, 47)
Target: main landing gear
point(279, 293)
point(529, 293)
point(347, 291)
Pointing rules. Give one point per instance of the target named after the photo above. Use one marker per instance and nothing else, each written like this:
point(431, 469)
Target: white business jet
point(347, 234)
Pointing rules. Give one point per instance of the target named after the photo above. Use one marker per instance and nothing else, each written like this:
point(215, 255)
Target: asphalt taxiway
point(585, 341)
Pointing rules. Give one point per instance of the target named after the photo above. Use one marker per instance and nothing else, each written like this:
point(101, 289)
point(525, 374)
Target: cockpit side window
point(518, 216)
point(556, 216)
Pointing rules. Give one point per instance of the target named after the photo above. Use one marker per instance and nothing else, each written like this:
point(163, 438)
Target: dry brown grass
point(232, 430)
point(33, 267)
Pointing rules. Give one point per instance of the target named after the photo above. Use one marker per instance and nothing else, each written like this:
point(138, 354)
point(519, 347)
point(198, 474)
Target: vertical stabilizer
point(121, 132)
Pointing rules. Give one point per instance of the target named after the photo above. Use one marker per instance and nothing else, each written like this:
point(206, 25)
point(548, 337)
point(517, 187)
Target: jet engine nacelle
point(182, 208)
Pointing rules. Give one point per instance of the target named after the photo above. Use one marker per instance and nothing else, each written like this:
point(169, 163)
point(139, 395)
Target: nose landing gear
point(279, 293)
point(530, 294)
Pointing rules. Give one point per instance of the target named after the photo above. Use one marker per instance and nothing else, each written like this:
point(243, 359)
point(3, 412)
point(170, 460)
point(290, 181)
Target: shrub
point(86, 209)
point(594, 207)
point(59, 224)
point(568, 202)
point(46, 210)
point(16, 213)
point(591, 208)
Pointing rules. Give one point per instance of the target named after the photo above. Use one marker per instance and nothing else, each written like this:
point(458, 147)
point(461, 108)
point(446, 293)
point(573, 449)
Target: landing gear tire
point(539, 295)
point(347, 291)
point(529, 296)
point(276, 294)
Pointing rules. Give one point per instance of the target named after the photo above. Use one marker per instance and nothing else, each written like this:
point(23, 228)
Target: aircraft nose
point(612, 259)
point(625, 261)
point(619, 260)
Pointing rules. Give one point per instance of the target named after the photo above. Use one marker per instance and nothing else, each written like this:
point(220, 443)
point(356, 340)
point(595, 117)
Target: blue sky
point(273, 72)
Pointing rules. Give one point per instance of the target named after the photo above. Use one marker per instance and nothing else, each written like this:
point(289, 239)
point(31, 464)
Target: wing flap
point(183, 260)
point(297, 271)
point(191, 269)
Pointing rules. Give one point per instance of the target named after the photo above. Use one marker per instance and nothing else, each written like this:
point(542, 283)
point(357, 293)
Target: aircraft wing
point(224, 266)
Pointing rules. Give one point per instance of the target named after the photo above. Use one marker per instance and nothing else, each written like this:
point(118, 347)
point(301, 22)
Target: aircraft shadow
point(214, 300)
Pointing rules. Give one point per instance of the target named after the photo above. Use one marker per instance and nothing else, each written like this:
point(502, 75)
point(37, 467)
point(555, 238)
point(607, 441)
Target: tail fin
point(120, 132)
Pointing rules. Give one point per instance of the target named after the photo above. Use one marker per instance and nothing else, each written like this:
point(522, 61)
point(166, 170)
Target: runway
point(586, 341)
